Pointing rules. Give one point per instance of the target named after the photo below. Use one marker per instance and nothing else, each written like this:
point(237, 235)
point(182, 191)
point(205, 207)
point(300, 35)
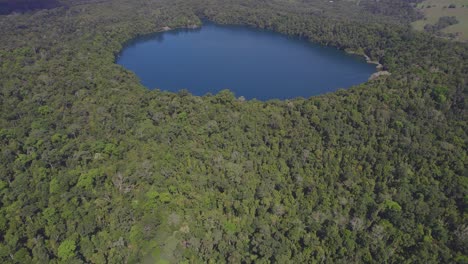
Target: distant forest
point(9, 6)
point(95, 168)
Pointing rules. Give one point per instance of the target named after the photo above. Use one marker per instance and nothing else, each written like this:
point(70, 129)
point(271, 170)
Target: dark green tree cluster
point(442, 23)
point(95, 168)
point(401, 9)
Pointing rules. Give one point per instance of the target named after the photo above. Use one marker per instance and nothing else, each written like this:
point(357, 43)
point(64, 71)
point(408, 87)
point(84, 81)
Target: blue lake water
point(250, 62)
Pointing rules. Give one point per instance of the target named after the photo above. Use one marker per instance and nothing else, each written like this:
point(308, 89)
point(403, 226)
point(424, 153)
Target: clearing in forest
point(433, 10)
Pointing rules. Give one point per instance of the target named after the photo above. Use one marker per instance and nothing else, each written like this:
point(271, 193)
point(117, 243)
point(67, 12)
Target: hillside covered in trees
point(95, 168)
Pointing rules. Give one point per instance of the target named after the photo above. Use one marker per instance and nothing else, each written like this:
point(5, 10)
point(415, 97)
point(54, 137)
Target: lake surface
point(250, 62)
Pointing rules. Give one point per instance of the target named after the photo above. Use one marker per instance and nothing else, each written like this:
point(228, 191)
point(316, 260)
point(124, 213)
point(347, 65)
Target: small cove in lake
point(251, 62)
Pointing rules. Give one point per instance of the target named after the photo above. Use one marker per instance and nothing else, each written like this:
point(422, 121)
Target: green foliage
point(44, 110)
point(54, 186)
point(66, 250)
point(95, 168)
point(440, 94)
point(230, 227)
point(165, 197)
point(392, 205)
point(3, 185)
point(87, 180)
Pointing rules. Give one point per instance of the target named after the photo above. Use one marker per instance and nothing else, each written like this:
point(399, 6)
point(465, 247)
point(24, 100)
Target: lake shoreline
point(379, 67)
point(161, 30)
point(251, 62)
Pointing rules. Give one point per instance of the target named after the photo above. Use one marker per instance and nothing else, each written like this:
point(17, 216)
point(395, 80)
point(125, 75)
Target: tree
point(66, 249)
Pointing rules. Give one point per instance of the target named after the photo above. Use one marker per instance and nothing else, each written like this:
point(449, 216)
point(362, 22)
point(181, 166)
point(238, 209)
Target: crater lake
point(251, 62)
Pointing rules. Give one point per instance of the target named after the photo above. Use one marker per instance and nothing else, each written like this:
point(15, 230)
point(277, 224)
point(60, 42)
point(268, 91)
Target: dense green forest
point(95, 168)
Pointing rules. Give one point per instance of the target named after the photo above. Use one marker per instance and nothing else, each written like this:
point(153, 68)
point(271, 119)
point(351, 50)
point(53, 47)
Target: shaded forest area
point(95, 168)
point(400, 9)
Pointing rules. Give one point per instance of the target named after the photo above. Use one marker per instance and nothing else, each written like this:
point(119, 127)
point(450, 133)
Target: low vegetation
point(436, 10)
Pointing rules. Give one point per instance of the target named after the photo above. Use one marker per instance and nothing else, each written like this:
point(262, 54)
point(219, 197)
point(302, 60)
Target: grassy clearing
point(434, 9)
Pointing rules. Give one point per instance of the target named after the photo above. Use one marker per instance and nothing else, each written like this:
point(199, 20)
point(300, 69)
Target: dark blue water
point(251, 63)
